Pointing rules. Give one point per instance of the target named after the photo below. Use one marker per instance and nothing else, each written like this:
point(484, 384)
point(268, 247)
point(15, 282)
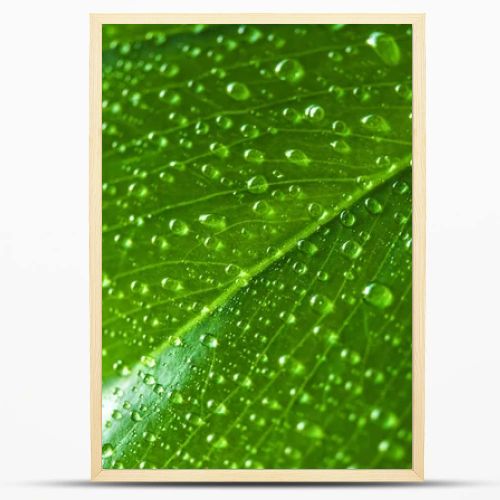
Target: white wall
point(44, 448)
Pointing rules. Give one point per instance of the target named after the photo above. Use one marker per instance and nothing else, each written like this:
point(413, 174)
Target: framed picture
point(257, 247)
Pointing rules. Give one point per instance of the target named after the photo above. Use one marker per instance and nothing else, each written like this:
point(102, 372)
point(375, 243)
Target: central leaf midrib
point(258, 268)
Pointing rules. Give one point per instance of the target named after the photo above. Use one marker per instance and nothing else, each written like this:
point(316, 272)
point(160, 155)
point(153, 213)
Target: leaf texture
point(257, 246)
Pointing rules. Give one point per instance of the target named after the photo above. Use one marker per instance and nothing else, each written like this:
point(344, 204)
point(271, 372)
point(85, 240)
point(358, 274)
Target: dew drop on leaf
point(289, 70)
point(378, 295)
point(238, 91)
point(347, 218)
point(385, 47)
point(373, 206)
point(352, 249)
point(213, 221)
point(107, 450)
point(178, 227)
point(297, 157)
point(257, 184)
point(375, 123)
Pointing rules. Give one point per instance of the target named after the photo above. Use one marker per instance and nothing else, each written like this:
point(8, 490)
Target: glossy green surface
point(257, 246)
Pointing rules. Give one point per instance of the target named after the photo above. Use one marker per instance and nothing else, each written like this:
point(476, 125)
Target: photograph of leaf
point(257, 246)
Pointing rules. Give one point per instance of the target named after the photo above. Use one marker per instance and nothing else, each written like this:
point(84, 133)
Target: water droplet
point(136, 416)
point(307, 247)
point(310, 430)
point(378, 295)
point(347, 218)
point(300, 268)
point(314, 113)
point(321, 304)
point(400, 187)
point(148, 361)
point(178, 227)
point(315, 211)
point(209, 340)
point(149, 379)
point(262, 208)
point(373, 206)
point(292, 115)
point(238, 91)
point(210, 171)
point(352, 249)
point(139, 287)
point(322, 276)
point(254, 156)
point(219, 149)
point(385, 47)
point(340, 127)
point(250, 131)
point(297, 157)
point(116, 415)
point(171, 284)
point(341, 146)
point(289, 70)
point(257, 184)
point(375, 123)
point(107, 450)
point(213, 221)
point(149, 437)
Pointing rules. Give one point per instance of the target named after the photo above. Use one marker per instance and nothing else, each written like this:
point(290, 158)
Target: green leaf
point(257, 246)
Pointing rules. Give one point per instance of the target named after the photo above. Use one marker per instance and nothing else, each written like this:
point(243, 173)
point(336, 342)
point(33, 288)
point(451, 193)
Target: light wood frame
point(267, 475)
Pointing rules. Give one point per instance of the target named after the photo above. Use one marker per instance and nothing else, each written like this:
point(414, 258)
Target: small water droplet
point(321, 304)
point(213, 221)
point(347, 218)
point(297, 157)
point(315, 211)
point(314, 113)
point(352, 249)
point(307, 247)
point(340, 146)
point(262, 208)
point(373, 206)
point(289, 70)
point(148, 361)
point(385, 47)
point(254, 156)
point(340, 128)
point(238, 91)
point(257, 184)
point(375, 123)
point(178, 227)
point(107, 450)
point(378, 295)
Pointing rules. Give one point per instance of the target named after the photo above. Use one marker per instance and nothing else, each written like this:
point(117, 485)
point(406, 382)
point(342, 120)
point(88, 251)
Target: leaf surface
point(257, 246)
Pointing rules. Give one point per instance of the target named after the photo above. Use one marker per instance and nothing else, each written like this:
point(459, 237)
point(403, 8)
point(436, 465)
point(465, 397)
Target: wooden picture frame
point(266, 475)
